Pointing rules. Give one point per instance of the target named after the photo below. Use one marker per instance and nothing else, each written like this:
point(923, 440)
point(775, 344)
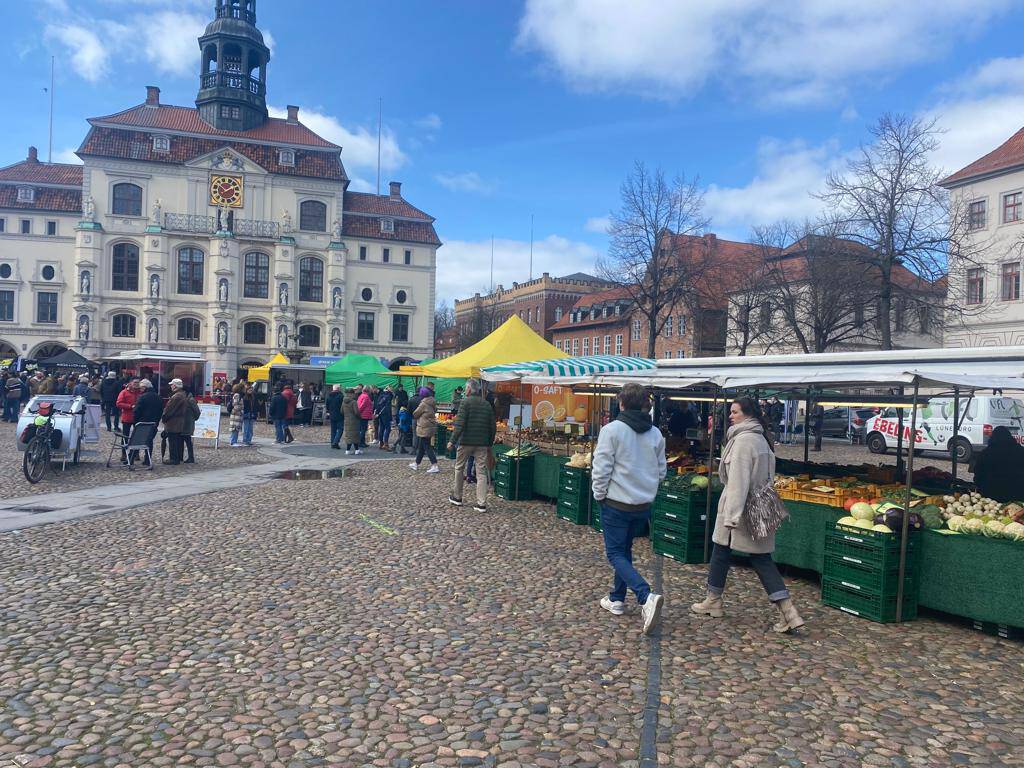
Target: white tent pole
point(905, 528)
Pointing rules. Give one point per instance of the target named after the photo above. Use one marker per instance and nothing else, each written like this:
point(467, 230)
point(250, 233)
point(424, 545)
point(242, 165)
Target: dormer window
point(161, 143)
point(286, 156)
point(26, 194)
point(387, 226)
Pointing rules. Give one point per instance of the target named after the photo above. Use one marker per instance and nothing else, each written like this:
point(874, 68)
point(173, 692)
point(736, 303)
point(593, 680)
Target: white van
point(979, 415)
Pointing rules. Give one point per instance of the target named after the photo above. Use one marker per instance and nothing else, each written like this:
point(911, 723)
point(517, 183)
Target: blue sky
point(494, 112)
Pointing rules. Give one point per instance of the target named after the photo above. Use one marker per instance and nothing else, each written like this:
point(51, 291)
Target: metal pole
point(956, 428)
point(807, 428)
point(711, 468)
point(49, 154)
point(906, 504)
point(899, 438)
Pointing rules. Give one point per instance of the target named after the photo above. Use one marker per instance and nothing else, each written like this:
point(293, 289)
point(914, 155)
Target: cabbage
point(882, 528)
point(865, 524)
point(846, 521)
point(994, 529)
point(862, 511)
point(956, 522)
point(1014, 531)
point(974, 525)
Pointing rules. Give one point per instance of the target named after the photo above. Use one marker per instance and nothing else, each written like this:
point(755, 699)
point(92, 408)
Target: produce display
point(581, 460)
point(974, 514)
point(522, 451)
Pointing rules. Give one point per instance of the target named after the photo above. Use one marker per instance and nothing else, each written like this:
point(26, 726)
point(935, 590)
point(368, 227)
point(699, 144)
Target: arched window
point(257, 276)
point(311, 279)
point(254, 332)
point(190, 271)
point(188, 329)
point(309, 336)
point(313, 216)
point(123, 326)
point(127, 200)
point(124, 267)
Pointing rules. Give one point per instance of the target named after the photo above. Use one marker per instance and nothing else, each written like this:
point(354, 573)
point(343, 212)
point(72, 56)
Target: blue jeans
point(763, 564)
point(11, 408)
point(385, 429)
point(279, 425)
point(363, 426)
point(234, 437)
point(620, 528)
point(247, 425)
point(337, 427)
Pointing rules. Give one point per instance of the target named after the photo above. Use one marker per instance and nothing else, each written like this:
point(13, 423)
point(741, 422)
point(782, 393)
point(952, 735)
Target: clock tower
point(233, 75)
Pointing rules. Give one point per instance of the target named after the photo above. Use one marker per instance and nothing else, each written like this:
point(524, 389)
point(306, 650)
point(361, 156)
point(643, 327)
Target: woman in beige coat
point(426, 428)
point(748, 464)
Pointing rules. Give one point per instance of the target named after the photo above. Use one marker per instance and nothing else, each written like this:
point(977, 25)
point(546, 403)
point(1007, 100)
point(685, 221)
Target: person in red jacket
point(291, 399)
point(364, 404)
point(125, 405)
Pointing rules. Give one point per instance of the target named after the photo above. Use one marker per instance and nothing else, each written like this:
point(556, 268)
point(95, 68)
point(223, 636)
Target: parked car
point(836, 422)
point(979, 415)
point(859, 423)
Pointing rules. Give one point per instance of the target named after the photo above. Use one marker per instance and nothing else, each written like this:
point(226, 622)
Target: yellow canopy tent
point(512, 342)
point(263, 372)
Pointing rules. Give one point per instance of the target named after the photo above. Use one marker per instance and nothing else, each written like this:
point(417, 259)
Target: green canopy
point(355, 369)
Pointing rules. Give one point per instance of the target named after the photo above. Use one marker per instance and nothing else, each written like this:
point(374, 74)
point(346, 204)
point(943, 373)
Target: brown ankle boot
point(709, 606)
point(789, 619)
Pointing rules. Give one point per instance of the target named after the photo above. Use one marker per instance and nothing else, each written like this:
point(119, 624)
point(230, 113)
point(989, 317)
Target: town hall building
point(214, 229)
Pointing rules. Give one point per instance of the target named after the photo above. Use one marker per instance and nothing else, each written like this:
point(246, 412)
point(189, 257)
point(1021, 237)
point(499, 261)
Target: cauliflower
point(956, 522)
point(1014, 531)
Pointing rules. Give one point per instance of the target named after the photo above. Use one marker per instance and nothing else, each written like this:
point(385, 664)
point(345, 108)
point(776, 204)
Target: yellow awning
point(512, 342)
point(263, 372)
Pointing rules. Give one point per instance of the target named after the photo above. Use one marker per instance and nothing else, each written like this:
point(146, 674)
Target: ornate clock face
point(226, 190)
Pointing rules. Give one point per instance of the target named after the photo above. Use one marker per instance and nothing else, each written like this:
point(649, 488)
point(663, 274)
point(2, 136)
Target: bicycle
point(39, 450)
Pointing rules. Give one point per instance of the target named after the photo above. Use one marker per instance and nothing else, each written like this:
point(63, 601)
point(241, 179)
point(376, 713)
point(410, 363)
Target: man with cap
point(148, 408)
point(333, 406)
point(174, 420)
point(110, 387)
point(81, 389)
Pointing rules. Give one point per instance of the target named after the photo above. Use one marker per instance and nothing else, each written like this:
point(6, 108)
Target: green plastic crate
point(508, 491)
point(595, 516)
point(692, 554)
point(865, 577)
point(866, 605)
point(574, 511)
point(870, 547)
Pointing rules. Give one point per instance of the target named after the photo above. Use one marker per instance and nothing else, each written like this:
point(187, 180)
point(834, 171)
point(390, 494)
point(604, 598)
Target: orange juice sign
point(553, 404)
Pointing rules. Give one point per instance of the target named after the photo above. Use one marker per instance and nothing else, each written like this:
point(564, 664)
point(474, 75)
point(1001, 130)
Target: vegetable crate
point(873, 548)
point(875, 607)
point(668, 544)
point(1004, 631)
point(574, 500)
point(441, 439)
point(513, 478)
point(595, 516)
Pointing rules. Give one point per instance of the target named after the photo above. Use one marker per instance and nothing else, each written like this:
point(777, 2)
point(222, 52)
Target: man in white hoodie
point(629, 464)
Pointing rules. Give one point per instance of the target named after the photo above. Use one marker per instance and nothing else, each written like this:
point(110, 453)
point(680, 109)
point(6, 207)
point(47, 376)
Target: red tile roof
point(166, 117)
point(33, 171)
point(46, 199)
point(138, 145)
point(1010, 154)
point(405, 231)
point(382, 205)
point(610, 296)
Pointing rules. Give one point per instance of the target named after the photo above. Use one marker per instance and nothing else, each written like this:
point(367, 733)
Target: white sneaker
point(651, 612)
point(358, 452)
point(434, 469)
point(616, 607)
point(347, 452)
point(414, 466)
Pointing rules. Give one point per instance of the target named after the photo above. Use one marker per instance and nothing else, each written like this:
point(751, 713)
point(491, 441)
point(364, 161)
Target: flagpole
point(531, 246)
point(49, 152)
point(380, 117)
point(492, 263)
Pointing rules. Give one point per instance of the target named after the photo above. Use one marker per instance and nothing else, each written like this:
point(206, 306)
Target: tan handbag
point(765, 511)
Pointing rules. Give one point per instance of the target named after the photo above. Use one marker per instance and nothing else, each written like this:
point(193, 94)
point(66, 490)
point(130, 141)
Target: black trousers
point(175, 444)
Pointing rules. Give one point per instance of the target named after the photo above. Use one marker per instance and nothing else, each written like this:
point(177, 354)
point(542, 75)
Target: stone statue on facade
point(154, 286)
point(89, 208)
point(335, 340)
point(336, 299)
point(286, 222)
point(222, 334)
point(157, 208)
point(224, 218)
point(282, 295)
point(282, 337)
point(154, 331)
point(222, 291)
point(336, 231)
point(85, 283)
point(83, 328)
point(224, 249)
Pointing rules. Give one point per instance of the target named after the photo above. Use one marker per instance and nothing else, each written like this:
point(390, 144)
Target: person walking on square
point(110, 387)
point(353, 424)
point(250, 412)
point(235, 419)
point(748, 464)
point(473, 432)
point(333, 408)
point(13, 389)
point(404, 430)
point(278, 413)
point(304, 406)
point(174, 418)
point(628, 466)
point(382, 411)
point(426, 428)
point(148, 408)
point(191, 416)
point(364, 404)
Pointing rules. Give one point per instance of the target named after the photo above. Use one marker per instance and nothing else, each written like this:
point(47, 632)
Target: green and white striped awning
point(568, 367)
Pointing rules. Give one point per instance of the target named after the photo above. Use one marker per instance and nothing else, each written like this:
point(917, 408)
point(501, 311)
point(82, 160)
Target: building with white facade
point(214, 229)
point(990, 194)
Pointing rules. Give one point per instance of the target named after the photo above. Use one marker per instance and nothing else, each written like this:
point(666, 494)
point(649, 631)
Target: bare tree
point(888, 199)
point(650, 255)
point(483, 318)
point(444, 317)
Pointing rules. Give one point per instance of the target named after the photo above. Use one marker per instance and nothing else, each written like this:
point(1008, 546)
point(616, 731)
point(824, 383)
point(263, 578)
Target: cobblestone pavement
point(364, 621)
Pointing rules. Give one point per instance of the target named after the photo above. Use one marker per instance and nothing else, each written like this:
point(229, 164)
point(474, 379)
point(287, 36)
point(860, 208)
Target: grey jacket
point(748, 463)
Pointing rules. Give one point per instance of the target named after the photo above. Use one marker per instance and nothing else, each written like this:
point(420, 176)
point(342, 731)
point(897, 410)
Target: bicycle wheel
point(36, 460)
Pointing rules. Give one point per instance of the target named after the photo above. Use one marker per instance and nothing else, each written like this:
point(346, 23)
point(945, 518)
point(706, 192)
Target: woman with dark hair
point(999, 469)
point(747, 465)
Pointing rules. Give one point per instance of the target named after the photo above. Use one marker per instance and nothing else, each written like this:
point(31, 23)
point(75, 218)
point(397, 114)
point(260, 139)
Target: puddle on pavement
point(312, 474)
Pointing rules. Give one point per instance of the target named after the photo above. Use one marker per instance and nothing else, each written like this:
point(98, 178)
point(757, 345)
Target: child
point(404, 428)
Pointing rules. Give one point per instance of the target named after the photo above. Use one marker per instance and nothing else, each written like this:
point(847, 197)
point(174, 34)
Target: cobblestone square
point(364, 621)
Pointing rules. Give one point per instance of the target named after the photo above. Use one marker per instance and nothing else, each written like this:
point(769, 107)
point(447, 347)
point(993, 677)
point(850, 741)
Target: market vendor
point(999, 469)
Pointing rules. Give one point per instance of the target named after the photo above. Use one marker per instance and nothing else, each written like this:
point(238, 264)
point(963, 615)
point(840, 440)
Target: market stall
point(355, 369)
point(262, 372)
point(161, 366)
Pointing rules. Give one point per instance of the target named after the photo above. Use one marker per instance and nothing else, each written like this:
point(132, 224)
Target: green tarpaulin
point(355, 369)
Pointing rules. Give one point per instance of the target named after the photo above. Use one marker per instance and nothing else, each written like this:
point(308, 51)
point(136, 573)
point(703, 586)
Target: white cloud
point(799, 52)
point(67, 155)
point(469, 181)
point(89, 58)
point(359, 144)
point(788, 175)
point(463, 267)
point(598, 225)
point(431, 122)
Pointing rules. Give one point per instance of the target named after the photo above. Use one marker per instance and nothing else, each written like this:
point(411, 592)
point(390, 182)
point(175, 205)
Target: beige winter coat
point(748, 463)
point(426, 417)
